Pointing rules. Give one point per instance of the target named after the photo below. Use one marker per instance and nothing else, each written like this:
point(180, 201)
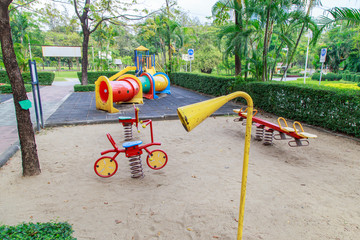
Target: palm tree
point(350, 15)
point(306, 21)
point(235, 34)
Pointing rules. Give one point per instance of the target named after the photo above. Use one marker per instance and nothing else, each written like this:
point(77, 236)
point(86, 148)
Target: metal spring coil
point(136, 166)
point(128, 132)
point(259, 135)
point(268, 137)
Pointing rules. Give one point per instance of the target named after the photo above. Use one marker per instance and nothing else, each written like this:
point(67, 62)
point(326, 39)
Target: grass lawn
point(60, 76)
point(334, 84)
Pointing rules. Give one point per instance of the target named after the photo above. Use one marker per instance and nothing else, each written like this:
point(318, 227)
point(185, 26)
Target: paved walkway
point(61, 106)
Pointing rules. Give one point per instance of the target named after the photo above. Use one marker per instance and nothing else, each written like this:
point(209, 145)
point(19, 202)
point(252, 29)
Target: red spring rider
point(107, 166)
point(128, 122)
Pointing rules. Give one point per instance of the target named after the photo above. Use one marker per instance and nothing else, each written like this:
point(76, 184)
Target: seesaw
point(266, 130)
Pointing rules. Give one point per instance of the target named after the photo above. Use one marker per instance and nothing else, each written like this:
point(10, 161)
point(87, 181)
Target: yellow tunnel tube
point(161, 82)
point(192, 115)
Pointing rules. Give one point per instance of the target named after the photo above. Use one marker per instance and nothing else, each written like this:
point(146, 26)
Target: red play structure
point(266, 130)
point(107, 166)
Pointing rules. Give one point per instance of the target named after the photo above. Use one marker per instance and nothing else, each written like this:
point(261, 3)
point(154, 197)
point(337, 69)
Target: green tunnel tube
point(145, 82)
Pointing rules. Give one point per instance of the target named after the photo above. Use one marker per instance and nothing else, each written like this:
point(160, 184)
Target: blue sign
point(323, 55)
point(191, 52)
point(323, 52)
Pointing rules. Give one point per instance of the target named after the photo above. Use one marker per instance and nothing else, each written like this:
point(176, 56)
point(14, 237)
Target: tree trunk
point(30, 160)
point(264, 78)
point(294, 50)
point(85, 61)
point(298, 39)
point(237, 48)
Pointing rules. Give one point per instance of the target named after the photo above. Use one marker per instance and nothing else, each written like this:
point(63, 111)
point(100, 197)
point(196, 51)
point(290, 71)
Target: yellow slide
point(150, 70)
point(122, 72)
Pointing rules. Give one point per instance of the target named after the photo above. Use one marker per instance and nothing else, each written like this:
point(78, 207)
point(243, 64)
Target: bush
point(330, 76)
point(357, 79)
point(334, 109)
point(348, 77)
point(93, 76)
point(46, 231)
point(315, 76)
point(6, 88)
point(339, 76)
point(84, 88)
point(45, 78)
point(204, 83)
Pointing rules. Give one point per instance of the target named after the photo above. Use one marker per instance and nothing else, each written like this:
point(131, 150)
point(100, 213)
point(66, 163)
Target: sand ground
point(292, 193)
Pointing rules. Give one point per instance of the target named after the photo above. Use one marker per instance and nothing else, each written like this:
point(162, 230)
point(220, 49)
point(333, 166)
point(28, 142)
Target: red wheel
point(157, 159)
point(105, 167)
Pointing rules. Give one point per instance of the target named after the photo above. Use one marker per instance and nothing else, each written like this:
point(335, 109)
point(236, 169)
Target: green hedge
point(45, 78)
point(45, 231)
point(337, 110)
point(93, 76)
point(6, 88)
point(327, 77)
point(84, 88)
point(204, 83)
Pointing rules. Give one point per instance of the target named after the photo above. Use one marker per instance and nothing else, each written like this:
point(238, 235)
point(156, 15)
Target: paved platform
point(81, 108)
point(62, 106)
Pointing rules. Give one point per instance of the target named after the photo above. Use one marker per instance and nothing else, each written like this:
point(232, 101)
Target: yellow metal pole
point(192, 115)
point(245, 165)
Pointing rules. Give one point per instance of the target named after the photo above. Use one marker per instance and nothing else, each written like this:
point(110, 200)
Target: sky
point(202, 8)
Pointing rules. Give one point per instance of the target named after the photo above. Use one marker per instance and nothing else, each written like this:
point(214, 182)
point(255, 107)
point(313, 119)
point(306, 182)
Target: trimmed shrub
point(330, 76)
point(6, 88)
point(339, 76)
point(334, 109)
point(27, 231)
point(337, 110)
point(348, 77)
point(84, 88)
point(315, 76)
point(204, 83)
point(357, 78)
point(45, 78)
point(93, 76)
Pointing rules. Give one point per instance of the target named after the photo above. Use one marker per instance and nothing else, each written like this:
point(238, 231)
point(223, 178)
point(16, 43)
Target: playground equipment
point(266, 130)
point(192, 115)
point(157, 159)
point(123, 87)
point(128, 122)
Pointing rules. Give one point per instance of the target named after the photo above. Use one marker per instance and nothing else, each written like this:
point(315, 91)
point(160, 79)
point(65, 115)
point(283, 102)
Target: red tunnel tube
point(123, 90)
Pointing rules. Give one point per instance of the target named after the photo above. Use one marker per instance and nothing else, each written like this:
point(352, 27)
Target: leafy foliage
point(334, 109)
point(31, 231)
point(337, 110)
point(45, 78)
point(204, 83)
point(84, 88)
point(207, 59)
point(6, 88)
point(93, 76)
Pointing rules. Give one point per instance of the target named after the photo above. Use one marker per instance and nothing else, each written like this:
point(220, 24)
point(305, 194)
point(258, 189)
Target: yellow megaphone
point(192, 115)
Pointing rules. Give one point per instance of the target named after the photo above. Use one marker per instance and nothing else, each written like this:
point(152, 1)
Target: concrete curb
point(5, 156)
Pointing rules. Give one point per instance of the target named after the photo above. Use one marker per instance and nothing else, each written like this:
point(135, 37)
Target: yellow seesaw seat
point(286, 128)
point(302, 133)
point(244, 112)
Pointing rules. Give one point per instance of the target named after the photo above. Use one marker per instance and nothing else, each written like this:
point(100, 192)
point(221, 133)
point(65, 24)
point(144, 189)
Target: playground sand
point(292, 193)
